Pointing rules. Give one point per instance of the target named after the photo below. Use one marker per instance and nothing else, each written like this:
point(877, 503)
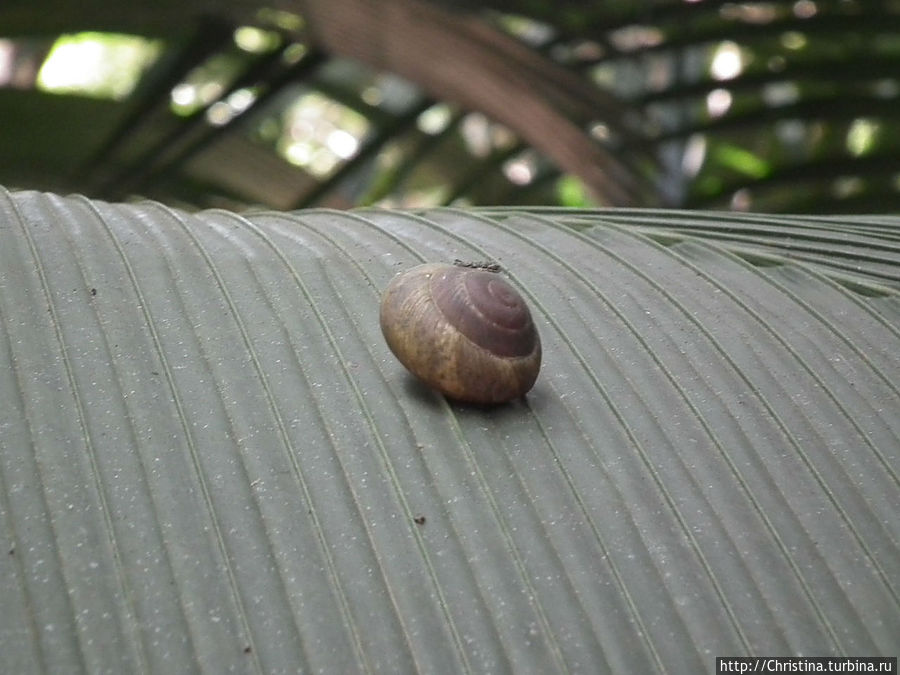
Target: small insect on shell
point(465, 332)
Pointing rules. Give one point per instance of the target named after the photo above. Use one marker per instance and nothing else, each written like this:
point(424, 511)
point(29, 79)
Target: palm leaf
point(209, 460)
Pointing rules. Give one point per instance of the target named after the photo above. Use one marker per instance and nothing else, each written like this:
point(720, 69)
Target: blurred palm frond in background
point(770, 106)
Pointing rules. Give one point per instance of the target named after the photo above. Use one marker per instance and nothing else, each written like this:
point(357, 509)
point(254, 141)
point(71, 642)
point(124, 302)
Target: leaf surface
point(209, 459)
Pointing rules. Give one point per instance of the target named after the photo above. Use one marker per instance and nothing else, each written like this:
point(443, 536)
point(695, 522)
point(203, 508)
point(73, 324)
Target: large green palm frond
point(210, 461)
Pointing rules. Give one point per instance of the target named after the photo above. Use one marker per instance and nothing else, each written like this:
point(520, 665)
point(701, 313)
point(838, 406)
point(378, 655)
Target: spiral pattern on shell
point(465, 332)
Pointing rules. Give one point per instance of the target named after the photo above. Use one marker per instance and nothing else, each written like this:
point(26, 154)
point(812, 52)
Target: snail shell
point(465, 332)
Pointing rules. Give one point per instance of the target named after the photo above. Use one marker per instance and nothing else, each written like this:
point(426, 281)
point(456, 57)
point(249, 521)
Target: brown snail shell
point(465, 332)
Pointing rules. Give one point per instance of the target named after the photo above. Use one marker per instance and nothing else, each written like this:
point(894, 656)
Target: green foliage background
point(775, 106)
